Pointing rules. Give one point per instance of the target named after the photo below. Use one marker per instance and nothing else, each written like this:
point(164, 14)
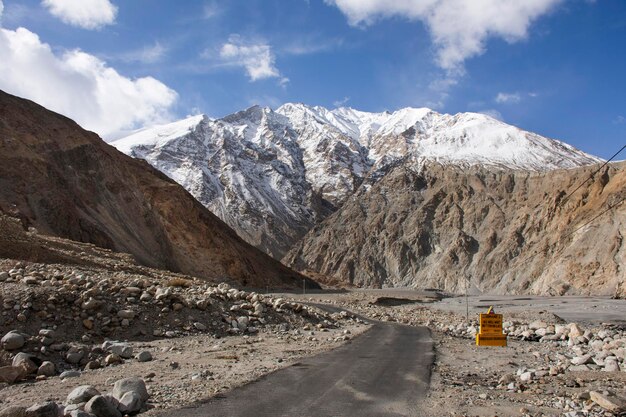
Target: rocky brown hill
point(67, 182)
point(504, 231)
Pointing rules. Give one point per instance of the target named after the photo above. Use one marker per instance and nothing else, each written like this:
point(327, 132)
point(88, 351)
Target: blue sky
point(556, 67)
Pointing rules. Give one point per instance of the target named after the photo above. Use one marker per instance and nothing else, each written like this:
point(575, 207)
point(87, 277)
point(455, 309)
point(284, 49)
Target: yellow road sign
point(490, 332)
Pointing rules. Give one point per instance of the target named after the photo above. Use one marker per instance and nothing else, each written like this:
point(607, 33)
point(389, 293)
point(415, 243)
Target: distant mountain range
point(273, 175)
point(410, 198)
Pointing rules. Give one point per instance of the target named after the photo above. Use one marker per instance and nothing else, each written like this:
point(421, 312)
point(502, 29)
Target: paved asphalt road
point(383, 372)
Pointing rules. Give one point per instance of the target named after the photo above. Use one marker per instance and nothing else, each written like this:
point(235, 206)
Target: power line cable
point(591, 176)
point(611, 206)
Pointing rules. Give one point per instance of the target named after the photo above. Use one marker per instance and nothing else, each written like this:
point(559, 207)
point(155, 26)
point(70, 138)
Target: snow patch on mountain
point(159, 135)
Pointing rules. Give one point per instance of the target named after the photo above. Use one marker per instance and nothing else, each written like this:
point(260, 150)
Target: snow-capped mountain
point(272, 175)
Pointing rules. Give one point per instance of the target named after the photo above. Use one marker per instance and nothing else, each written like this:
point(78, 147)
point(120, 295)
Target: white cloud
point(312, 44)
point(256, 58)
point(459, 28)
point(211, 10)
point(342, 102)
point(87, 14)
point(508, 98)
point(492, 113)
point(619, 120)
point(1, 8)
point(148, 54)
point(80, 85)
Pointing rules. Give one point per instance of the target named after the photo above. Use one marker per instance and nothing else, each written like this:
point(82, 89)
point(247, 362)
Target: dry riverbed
point(549, 368)
point(189, 340)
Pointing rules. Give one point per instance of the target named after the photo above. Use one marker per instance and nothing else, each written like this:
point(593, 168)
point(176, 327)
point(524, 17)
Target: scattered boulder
point(81, 394)
point(101, 406)
point(47, 409)
point(131, 402)
point(28, 363)
point(47, 368)
point(124, 350)
point(144, 356)
point(69, 374)
point(126, 314)
point(136, 385)
point(12, 341)
point(575, 331)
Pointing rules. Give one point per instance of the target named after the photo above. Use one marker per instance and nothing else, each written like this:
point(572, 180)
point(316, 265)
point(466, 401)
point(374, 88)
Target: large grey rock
point(47, 369)
point(74, 357)
point(47, 409)
point(126, 314)
point(12, 341)
point(70, 374)
point(82, 394)
point(144, 356)
point(28, 363)
point(136, 385)
point(100, 406)
point(131, 402)
point(123, 350)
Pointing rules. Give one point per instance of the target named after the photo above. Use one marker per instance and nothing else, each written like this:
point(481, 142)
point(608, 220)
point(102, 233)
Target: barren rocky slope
point(504, 231)
point(67, 182)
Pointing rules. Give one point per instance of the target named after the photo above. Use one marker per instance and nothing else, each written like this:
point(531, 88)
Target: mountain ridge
point(273, 174)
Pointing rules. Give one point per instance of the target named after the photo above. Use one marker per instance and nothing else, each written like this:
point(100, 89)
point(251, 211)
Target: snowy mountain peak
point(273, 174)
point(160, 135)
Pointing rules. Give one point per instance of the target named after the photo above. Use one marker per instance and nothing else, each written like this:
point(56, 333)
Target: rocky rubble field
point(549, 368)
point(68, 326)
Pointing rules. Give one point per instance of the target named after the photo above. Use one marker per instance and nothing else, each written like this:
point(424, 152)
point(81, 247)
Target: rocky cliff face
point(502, 231)
point(272, 175)
point(67, 182)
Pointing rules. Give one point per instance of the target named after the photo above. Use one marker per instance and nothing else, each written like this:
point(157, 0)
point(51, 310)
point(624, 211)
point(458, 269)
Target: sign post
point(490, 333)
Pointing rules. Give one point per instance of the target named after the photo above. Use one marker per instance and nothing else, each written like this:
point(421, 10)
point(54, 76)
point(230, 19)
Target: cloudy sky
point(556, 67)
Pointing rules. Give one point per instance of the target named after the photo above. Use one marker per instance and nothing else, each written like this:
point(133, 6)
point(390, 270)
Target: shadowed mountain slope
point(67, 182)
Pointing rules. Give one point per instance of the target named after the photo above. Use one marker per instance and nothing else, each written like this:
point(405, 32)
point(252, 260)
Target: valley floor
point(533, 375)
point(191, 368)
point(565, 356)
